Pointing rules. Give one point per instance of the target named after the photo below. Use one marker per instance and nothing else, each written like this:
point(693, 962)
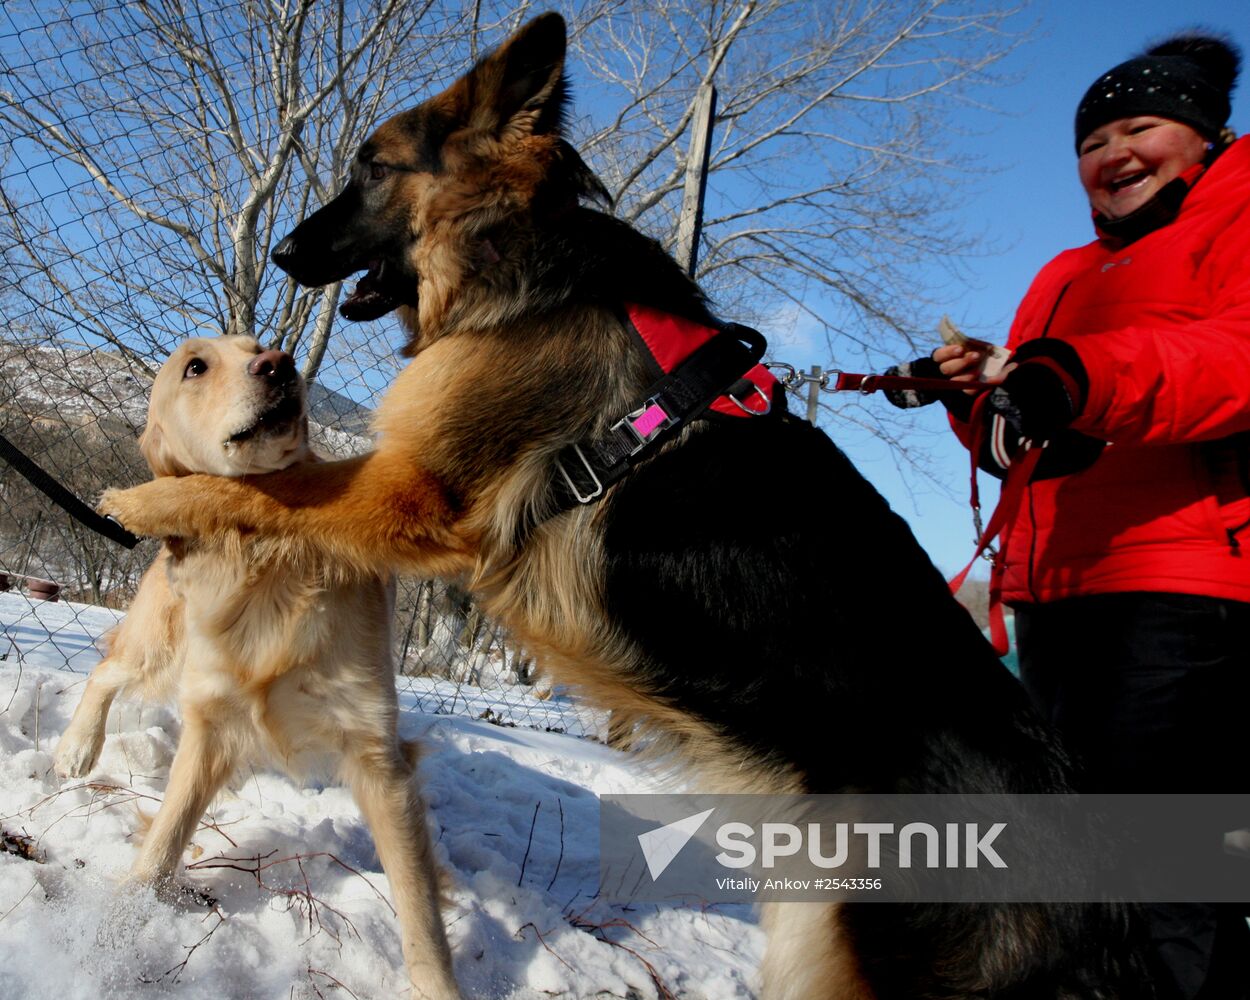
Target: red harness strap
point(671, 339)
point(1014, 486)
point(697, 369)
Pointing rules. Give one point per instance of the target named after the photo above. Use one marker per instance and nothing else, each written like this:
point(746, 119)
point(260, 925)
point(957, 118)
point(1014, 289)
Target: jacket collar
point(1160, 210)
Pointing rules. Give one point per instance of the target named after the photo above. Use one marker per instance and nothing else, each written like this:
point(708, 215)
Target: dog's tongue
point(368, 299)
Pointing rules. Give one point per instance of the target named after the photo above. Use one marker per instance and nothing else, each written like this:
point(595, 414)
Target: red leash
point(850, 381)
point(1018, 476)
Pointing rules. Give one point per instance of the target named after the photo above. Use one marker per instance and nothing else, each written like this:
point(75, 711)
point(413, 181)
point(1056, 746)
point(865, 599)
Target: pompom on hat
point(1188, 78)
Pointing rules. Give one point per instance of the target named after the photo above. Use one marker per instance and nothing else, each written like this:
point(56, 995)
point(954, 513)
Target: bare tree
point(155, 150)
point(832, 153)
point(185, 138)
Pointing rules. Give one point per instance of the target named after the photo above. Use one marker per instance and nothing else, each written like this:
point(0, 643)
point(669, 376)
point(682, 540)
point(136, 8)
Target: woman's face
point(1124, 163)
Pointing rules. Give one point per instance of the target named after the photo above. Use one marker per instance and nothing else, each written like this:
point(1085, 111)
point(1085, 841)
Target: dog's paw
point(120, 505)
point(172, 891)
point(76, 755)
point(149, 509)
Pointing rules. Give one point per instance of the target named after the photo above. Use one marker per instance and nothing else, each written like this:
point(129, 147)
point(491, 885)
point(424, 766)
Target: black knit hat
point(1188, 78)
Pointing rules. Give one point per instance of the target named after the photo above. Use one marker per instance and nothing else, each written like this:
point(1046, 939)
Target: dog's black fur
point(809, 623)
point(822, 590)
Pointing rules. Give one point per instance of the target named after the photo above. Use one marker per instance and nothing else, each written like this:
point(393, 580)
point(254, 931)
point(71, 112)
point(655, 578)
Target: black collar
point(1158, 212)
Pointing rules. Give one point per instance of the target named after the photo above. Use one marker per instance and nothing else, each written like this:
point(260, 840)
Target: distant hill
point(332, 409)
point(82, 387)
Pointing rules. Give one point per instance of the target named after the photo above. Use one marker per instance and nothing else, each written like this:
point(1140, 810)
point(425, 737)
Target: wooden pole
point(690, 223)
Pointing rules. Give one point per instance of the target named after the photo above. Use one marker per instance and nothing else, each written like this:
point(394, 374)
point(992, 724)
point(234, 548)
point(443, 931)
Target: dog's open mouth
point(278, 417)
point(370, 299)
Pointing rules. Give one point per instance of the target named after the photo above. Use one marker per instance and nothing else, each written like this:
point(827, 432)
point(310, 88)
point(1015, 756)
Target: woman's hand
point(961, 364)
point(956, 362)
point(1042, 390)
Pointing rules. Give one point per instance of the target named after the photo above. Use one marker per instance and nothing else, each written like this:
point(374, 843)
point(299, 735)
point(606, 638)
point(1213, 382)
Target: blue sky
point(1028, 207)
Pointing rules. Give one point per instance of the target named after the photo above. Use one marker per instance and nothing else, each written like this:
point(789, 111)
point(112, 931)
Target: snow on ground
point(301, 907)
point(505, 704)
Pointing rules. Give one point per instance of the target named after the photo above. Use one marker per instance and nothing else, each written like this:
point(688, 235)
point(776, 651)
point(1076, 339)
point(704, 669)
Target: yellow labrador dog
point(270, 658)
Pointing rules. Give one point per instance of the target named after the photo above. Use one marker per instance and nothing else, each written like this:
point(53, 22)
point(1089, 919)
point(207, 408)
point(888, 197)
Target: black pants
point(1151, 693)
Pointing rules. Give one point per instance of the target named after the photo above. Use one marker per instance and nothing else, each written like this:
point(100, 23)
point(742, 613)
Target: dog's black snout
point(273, 366)
point(284, 253)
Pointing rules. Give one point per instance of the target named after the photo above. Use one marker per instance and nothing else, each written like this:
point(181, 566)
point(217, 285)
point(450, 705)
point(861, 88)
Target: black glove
point(906, 399)
point(1036, 402)
point(1045, 393)
point(958, 404)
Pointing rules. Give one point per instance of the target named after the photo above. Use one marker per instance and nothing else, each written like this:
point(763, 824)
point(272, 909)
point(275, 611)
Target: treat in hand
point(993, 356)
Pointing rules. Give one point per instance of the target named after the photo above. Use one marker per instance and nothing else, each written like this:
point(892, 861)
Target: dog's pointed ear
point(519, 88)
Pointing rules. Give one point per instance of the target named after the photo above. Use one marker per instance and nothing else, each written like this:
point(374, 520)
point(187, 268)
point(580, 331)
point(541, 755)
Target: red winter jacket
point(1163, 329)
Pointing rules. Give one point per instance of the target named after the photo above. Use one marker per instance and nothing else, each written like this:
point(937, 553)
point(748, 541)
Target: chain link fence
point(152, 152)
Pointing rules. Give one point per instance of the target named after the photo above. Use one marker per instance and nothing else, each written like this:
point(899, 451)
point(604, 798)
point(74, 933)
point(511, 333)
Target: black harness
point(726, 365)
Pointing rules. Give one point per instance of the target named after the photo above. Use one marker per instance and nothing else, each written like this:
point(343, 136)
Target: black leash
point(63, 498)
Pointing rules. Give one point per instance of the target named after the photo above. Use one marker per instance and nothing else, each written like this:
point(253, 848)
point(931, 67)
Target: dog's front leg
point(373, 513)
point(79, 746)
point(201, 766)
point(809, 955)
point(382, 782)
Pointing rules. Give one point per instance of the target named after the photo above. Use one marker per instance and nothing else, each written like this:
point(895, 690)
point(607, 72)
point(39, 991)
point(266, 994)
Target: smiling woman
point(1125, 163)
point(1125, 558)
point(1150, 121)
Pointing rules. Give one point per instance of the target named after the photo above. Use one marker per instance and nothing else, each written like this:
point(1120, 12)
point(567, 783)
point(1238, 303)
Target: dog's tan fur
point(272, 655)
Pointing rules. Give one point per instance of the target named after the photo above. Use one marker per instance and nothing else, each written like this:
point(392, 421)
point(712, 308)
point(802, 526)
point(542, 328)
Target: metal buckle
point(768, 403)
point(638, 439)
point(791, 379)
point(991, 551)
point(569, 479)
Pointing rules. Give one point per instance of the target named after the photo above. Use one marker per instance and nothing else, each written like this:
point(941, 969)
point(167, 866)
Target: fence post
point(813, 395)
point(690, 222)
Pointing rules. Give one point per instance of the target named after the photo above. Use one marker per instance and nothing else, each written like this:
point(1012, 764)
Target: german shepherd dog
point(686, 598)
